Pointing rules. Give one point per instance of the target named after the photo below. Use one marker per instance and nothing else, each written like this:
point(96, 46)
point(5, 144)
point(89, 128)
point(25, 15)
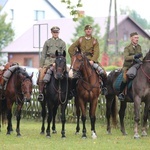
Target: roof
point(29, 41)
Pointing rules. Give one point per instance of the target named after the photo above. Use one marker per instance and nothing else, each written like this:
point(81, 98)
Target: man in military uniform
point(132, 55)
point(90, 47)
point(48, 58)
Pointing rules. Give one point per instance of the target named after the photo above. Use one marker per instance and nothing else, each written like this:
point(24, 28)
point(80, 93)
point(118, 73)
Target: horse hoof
point(144, 133)
point(48, 136)
point(18, 135)
point(94, 136)
point(84, 136)
point(41, 132)
point(76, 133)
point(136, 136)
point(54, 131)
point(63, 137)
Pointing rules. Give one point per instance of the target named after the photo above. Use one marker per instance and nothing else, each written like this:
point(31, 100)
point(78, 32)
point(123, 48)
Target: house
point(26, 49)
point(24, 13)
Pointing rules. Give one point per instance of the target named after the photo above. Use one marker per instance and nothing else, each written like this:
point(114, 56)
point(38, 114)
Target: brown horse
point(137, 93)
point(88, 89)
point(18, 90)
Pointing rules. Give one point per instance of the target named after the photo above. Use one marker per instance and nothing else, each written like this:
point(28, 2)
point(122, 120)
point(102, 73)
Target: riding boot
point(103, 76)
point(103, 86)
point(121, 95)
point(73, 92)
point(41, 88)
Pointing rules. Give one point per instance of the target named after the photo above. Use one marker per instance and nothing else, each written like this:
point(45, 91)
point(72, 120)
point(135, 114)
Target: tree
point(136, 17)
point(73, 6)
point(6, 32)
point(79, 31)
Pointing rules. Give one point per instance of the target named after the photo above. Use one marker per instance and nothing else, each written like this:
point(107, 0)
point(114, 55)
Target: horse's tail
point(114, 111)
point(3, 111)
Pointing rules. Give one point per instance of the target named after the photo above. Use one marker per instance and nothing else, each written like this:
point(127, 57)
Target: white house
point(25, 13)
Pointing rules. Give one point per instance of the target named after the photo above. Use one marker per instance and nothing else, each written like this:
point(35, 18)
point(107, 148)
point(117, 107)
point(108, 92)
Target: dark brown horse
point(88, 89)
point(18, 90)
point(137, 93)
point(55, 95)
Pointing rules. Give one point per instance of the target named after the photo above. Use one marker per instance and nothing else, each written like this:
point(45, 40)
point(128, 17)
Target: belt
point(51, 55)
point(88, 54)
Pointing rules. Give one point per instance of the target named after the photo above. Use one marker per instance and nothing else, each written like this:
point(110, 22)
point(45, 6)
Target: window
point(11, 14)
point(39, 15)
point(28, 62)
point(125, 38)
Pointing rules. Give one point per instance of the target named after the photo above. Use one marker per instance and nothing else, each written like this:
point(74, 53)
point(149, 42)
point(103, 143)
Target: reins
point(144, 71)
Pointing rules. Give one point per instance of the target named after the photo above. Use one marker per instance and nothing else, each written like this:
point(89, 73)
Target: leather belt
point(51, 55)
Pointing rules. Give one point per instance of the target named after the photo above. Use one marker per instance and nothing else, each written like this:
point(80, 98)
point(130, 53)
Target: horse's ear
point(56, 53)
point(64, 53)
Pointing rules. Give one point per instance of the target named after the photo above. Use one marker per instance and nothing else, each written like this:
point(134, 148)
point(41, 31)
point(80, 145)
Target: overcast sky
point(100, 8)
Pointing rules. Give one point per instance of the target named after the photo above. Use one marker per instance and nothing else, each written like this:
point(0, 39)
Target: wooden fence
point(34, 111)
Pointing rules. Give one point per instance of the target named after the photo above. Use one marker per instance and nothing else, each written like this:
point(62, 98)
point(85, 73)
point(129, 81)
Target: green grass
point(32, 140)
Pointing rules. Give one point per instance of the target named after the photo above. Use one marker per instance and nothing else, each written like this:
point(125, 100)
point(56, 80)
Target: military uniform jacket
point(48, 52)
point(90, 47)
point(129, 53)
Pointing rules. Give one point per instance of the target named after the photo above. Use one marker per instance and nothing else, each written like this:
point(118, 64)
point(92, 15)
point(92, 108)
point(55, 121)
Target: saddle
point(5, 73)
point(117, 83)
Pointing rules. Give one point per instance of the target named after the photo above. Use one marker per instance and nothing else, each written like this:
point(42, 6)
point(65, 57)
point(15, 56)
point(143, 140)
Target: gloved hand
point(137, 60)
point(139, 55)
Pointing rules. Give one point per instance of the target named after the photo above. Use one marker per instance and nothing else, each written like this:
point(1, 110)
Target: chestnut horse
point(88, 89)
point(137, 93)
point(55, 95)
point(18, 90)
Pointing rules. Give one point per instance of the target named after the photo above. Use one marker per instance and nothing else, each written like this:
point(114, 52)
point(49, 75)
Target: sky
point(100, 8)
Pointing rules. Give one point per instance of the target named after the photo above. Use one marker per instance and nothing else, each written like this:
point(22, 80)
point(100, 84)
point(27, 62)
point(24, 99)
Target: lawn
point(32, 140)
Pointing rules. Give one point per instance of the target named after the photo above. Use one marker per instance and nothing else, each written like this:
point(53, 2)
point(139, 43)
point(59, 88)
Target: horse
point(87, 88)
point(55, 95)
point(18, 90)
point(138, 91)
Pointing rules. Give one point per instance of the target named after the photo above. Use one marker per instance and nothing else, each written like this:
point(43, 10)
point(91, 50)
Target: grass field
point(32, 140)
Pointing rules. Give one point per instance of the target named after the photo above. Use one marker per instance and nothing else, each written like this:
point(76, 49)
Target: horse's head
point(25, 82)
point(60, 65)
point(77, 62)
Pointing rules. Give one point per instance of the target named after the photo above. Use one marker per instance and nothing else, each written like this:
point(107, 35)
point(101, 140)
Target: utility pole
point(116, 28)
point(108, 28)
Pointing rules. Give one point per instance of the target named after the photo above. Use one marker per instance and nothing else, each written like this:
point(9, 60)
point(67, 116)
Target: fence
point(34, 111)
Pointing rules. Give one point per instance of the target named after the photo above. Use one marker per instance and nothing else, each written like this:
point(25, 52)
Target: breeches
point(42, 73)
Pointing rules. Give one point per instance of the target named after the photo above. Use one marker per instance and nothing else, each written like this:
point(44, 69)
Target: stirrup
point(40, 97)
point(121, 97)
point(104, 91)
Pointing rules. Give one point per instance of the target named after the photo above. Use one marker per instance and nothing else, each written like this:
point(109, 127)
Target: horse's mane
point(23, 72)
point(147, 56)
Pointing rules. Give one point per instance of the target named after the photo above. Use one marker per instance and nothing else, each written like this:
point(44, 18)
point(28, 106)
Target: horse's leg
point(137, 102)
point(63, 119)
point(43, 114)
point(78, 115)
point(55, 108)
point(83, 117)
point(49, 119)
point(18, 117)
point(9, 117)
point(92, 110)
point(145, 117)
point(109, 111)
point(123, 105)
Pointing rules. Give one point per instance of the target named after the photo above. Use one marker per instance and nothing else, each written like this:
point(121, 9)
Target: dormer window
point(39, 15)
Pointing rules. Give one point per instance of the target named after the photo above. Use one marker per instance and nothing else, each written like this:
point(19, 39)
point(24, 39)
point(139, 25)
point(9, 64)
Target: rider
point(90, 47)
point(132, 54)
point(48, 58)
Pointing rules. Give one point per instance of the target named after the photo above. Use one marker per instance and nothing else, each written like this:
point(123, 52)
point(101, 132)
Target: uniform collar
point(55, 39)
point(88, 38)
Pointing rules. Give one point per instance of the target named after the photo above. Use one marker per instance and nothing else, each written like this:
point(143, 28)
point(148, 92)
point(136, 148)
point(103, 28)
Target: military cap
point(87, 27)
point(133, 33)
point(55, 29)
